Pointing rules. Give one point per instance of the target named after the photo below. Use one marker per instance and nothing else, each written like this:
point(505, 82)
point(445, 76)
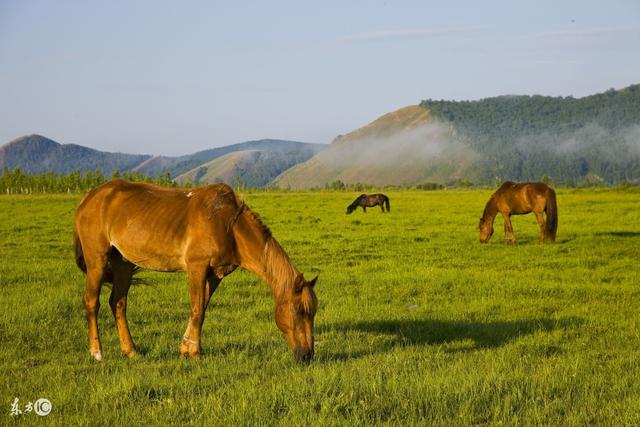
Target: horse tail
point(552, 215)
point(77, 246)
point(386, 203)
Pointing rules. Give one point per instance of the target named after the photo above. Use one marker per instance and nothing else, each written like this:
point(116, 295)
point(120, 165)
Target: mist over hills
point(521, 138)
point(594, 139)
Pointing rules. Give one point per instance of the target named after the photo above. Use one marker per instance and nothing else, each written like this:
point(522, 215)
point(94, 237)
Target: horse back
point(156, 227)
point(521, 198)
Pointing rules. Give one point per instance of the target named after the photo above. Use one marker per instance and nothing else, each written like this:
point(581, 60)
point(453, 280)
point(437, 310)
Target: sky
point(172, 78)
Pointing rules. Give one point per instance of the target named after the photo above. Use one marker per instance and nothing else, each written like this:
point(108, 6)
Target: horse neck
point(490, 210)
point(261, 254)
point(278, 271)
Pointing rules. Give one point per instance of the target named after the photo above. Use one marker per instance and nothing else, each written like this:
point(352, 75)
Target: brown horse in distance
point(519, 199)
point(368, 201)
point(207, 232)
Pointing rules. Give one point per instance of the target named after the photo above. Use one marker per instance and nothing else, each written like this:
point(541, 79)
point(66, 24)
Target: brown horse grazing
point(368, 201)
point(518, 199)
point(207, 232)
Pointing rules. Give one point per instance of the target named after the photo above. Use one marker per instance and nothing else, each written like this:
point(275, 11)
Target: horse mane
point(357, 200)
point(309, 300)
point(490, 208)
point(257, 221)
point(279, 271)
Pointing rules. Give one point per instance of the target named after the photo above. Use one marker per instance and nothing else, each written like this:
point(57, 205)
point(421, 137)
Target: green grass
point(418, 322)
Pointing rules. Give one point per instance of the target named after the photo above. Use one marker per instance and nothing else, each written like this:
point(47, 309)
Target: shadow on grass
point(619, 234)
point(394, 333)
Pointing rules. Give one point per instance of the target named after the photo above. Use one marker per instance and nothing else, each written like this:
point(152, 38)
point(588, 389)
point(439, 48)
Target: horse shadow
point(619, 234)
point(427, 332)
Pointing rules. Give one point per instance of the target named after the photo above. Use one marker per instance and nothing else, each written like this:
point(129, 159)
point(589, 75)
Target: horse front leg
point(211, 286)
point(364, 209)
point(91, 299)
point(509, 235)
point(200, 291)
point(540, 220)
point(122, 274)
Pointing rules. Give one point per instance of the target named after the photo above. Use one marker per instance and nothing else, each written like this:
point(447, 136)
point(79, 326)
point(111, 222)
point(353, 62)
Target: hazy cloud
point(593, 38)
point(587, 33)
point(407, 33)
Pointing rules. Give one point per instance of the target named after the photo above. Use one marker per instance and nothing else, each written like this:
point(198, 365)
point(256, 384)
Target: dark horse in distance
point(207, 232)
point(368, 201)
point(519, 199)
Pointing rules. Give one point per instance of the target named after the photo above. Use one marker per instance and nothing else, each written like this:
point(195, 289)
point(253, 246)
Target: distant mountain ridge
point(569, 140)
point(38, 154)
point(517, 137)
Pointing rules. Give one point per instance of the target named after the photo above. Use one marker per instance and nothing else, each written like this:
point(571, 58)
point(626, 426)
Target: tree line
point(18, 182)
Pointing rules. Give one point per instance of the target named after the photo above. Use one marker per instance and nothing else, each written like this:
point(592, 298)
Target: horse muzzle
point(303, 356)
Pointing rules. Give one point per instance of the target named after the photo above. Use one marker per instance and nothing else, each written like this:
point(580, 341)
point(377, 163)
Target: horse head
point(486, 230)
point(294, 317)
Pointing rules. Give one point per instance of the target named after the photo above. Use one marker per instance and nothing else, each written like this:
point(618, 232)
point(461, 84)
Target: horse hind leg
point(122, 274)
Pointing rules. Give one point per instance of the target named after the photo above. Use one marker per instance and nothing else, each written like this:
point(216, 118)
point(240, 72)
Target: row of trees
point(18, 182)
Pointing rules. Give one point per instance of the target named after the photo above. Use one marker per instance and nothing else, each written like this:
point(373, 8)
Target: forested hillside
point(566, 140)
point(569, 139)
point(38, 154)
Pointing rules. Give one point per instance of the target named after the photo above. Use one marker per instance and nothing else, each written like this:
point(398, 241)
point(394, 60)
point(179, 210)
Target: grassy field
point(418, 323)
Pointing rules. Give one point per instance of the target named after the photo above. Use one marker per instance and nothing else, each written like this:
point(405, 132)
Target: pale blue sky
point(176, 77)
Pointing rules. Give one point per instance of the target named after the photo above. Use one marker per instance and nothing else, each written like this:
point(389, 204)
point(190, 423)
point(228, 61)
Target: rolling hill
point(255, 168)
point(570, 140)
point(157, 165)
point(38, 154)
point(403, 147)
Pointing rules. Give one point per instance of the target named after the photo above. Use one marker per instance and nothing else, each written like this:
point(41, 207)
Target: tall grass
point(418, 323)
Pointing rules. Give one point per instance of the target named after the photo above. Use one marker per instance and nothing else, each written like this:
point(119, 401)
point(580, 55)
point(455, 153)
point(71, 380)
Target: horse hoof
point(192, 356)
point(97, 355)
point(131, 354)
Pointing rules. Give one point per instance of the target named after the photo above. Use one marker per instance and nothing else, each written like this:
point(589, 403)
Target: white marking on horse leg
point(97, 355)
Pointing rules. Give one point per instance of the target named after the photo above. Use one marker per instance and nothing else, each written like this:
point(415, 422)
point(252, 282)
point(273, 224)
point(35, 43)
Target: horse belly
point(158, 259)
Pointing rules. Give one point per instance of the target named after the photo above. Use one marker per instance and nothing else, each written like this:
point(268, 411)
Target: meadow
point(418, 323)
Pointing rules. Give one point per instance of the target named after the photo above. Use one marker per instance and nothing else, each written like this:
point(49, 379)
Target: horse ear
point(313, 281)
point(299, 283)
